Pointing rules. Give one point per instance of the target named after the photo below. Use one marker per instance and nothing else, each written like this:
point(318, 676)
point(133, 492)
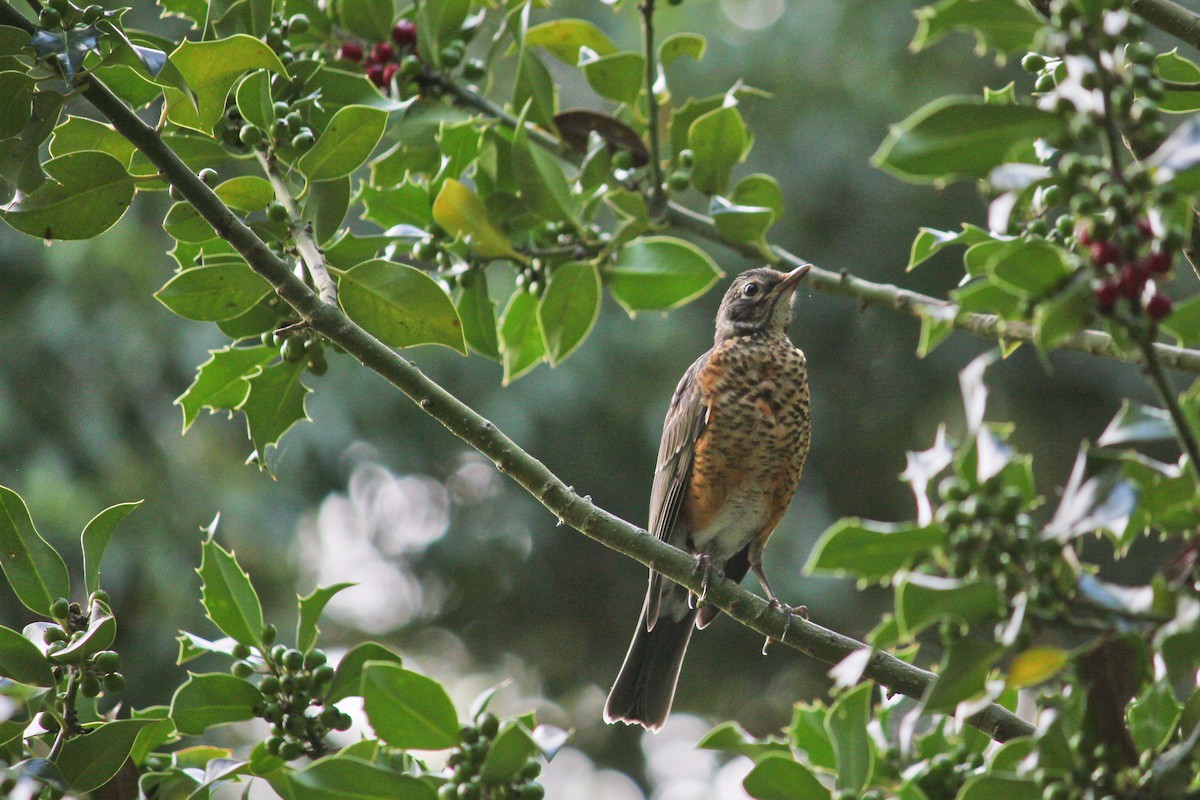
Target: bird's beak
point(792, 279)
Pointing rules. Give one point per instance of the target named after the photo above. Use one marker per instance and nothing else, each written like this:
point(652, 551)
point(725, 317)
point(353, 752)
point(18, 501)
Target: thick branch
point(987, 326)
point(561, 500)
point(301, 231)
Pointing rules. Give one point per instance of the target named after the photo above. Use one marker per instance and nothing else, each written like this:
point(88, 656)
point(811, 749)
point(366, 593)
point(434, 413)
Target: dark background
point(457, 567)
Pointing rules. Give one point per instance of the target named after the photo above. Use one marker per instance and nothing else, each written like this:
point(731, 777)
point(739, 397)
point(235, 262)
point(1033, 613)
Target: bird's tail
point(645, 687)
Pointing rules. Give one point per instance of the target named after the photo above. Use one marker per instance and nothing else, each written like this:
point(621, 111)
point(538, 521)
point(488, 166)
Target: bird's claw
point(789, 611)
point(704, 567)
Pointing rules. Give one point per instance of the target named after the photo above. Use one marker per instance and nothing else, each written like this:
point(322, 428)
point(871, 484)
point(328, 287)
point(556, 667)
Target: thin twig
point(658, 197)
point(301, 231)
point(1166, 393)
point(578, 512)
point(65, 723)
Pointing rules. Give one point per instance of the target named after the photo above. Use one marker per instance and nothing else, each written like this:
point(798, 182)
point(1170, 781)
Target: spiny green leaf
point(228, 596)
point(408, 710)
point(89, 193)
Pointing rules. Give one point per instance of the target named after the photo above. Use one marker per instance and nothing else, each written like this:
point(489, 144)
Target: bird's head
point(758, 301)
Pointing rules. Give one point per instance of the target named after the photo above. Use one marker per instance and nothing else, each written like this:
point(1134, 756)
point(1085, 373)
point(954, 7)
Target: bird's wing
point(685, 420)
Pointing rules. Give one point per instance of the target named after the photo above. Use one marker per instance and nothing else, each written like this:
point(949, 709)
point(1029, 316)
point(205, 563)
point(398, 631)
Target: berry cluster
point(945, 773)
point(1130, 281)
point(1098, 770)
point(384, 61)
point(63, 14)
point(464, 762)
point(96, 672)
point(297, 347)
point(293, 685)
point(1100, 79)
point(991, 536)
point(681, 177)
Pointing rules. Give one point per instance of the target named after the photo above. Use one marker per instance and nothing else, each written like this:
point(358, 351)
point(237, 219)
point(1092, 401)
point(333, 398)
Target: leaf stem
point(66, 721)
point(658, 197)
point(301, 231)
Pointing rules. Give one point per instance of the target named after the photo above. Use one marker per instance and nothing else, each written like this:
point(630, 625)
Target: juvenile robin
point(733, 445)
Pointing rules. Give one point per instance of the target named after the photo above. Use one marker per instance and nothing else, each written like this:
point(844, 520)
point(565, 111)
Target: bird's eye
point(750, 290)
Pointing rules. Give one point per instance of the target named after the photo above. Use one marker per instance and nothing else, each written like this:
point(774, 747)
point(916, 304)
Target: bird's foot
point(705, 569)
point(789, 611)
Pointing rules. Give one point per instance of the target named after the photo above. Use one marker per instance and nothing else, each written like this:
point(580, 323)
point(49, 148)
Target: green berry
point(106, 661)
point(532, 769)
point(1033, 62)
point(279, 130)
point(90, 685)
point(410, 66)
point(470, 791)
point(424, 250)
point(344, 722)
point(1045, 83)
point(452, 54)
point(54, 634)
point(276, 212)
point(274, 744)
point(273, 713)
point(50, 18)
point(268, 635)
point(686, 159)
point(241, 650)
point(314, 659)
point(294, 122)
point(679, 180)
point(59, 608)
point(489, 725)
point(269, 685)
point(297, 23)
point(114, 683)
point(92, 13)
point(323, 674)
point(304, 139)
point(293, 660)
point(448, 791)
point(622, 159)
point(99, 596)
point(474, 69)
point(280, 109)
point(318, 365)
point(209, 176)
point(251, 136)
point(242, 669)
point(531, 791)
point(289, 751)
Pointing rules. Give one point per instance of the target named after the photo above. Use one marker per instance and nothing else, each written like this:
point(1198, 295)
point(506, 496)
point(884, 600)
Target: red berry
point(375, 74)
point(388, 72)
point(1106, 296)
point(1084, 235)
point(1157, 262)
point(404, 32)
point(1145, 229)
point(382, 52)
point(1158, 307)
point(1132, 281)
point(350, 51)
point(1104, 253)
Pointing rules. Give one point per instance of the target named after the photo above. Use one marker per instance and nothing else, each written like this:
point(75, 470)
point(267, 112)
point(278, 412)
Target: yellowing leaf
point(460, 211)
point(1036, 665)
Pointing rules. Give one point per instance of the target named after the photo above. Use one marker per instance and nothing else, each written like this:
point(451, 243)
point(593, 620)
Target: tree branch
point(1166, 393)
point(987, 326)
point(301, 231)
point(1171, 18)
point(578, 512)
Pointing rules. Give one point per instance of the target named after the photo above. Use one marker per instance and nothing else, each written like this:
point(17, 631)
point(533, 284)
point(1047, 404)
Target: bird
point(733, 446)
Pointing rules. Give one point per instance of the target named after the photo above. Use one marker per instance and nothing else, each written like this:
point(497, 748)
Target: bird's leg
point(755, 557)
point(705, 568)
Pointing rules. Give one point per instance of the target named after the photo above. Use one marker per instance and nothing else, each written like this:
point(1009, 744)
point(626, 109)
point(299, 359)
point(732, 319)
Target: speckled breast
point(751, 451)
